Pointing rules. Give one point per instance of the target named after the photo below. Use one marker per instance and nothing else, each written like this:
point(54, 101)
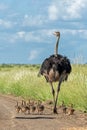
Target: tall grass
point(21, 80)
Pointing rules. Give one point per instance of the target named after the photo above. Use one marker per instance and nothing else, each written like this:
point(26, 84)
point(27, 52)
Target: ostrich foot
point(55, 111)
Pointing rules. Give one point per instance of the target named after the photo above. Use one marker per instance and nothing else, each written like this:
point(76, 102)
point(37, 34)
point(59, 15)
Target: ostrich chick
point(71, 110)
point(40, 107)
point(17, 108)
point(64, 108)
point(33, 107)
point(25, 108)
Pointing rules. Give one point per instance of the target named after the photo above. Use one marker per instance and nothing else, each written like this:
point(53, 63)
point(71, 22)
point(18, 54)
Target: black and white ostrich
point(55, 68)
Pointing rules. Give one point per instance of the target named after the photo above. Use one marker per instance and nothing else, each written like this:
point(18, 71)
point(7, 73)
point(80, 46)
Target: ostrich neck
point(56, 48)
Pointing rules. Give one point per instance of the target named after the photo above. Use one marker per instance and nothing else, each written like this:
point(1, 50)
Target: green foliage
point(22, 80)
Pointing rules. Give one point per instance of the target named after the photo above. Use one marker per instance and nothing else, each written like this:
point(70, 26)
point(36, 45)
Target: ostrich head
point(57, 34)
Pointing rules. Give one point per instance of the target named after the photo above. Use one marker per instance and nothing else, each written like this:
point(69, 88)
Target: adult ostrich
point(55, 68)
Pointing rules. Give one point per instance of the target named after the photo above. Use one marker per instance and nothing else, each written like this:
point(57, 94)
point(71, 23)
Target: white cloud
point(21, 34)
point(67, 9)
point(83, 34)
point(6, 24)
point(25, 36)
point(3, 6)
point(38, 36)
point(33, 54)
point(32, 20)
point(13, 15)
point(17, 36)
point(75, 32)
point(75, 8)
point(32, 36)
point(53, 12)
point(45, 35)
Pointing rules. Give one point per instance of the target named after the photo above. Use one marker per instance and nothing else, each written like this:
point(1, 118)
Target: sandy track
point(9, 120)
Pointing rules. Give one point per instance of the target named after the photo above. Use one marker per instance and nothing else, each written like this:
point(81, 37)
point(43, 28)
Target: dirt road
point(10, 120)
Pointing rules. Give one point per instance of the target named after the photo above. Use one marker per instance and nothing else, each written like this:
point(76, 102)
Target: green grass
point(22, 80)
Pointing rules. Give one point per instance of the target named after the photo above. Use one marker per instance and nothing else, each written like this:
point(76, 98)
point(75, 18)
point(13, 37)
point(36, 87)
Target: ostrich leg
point(58, 90)
point(63, 76)
point(53, 92)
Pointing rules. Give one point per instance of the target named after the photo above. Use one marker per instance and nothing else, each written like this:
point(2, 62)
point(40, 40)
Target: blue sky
point(27, 26)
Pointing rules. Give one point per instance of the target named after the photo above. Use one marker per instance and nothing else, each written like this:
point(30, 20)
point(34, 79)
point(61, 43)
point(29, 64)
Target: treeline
point(19, 65)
